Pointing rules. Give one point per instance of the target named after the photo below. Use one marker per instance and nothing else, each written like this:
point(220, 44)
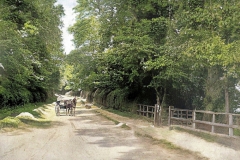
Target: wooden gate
point(150, 112)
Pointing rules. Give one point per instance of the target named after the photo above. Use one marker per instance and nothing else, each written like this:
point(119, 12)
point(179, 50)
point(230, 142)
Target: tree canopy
point(183, 52)
point(30, 50)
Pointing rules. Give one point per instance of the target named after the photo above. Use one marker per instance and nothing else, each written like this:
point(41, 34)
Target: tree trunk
point(164, 100)
point(159, 111)
point(226, 96)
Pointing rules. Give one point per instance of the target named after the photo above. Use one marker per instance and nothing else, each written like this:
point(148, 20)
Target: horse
point(74, 102)
point(70, 106)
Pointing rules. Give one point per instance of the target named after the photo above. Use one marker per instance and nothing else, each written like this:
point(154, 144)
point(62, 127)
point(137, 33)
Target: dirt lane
point(86, 136)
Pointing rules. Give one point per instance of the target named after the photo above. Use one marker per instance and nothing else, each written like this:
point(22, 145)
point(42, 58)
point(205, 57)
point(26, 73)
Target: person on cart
point(57, 107)
point(74, 101)
point(59, 98)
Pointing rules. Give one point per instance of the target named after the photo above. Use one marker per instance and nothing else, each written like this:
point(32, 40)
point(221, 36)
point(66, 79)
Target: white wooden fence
point(146, 110)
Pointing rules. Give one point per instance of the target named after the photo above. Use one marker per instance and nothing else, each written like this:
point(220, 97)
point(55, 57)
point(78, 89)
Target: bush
point(14, 97)
point(101, 96)
point(117, 99)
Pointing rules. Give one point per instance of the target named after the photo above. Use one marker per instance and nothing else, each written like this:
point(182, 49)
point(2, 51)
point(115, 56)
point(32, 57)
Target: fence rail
point(182, 116)
point(194, 117)
point(146, 110)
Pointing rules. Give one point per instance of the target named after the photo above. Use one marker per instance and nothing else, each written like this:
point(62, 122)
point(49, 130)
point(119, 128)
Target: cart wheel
point(57, 110)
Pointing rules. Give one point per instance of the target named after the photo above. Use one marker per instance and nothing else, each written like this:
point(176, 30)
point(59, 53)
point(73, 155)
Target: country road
point(86, 136)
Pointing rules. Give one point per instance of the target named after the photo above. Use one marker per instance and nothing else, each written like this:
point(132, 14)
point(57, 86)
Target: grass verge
point(203, 135)
point(162, 142)
point(109, 118)
point(36, 123)
point(124, 126)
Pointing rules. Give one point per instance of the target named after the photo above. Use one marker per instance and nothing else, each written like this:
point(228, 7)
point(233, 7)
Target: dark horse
point(69, 107)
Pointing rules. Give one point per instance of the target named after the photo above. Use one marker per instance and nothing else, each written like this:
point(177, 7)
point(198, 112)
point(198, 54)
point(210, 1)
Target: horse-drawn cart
point(60, 106)
point(65, 104)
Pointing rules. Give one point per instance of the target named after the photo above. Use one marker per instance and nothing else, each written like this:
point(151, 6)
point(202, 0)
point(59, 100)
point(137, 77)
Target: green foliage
point(100, 96)
point(117, 99)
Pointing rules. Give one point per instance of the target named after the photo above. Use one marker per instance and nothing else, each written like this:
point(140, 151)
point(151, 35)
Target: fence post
point(213, 121)
point(230, 124)
point(139, 109)
point(194, 118)
point(152, 115)
point(156, 115)
point(170, 115)
point(147, 112)
point(181, 115)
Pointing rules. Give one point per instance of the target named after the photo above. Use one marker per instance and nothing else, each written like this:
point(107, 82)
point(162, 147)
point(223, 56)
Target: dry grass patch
point(10, 122)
